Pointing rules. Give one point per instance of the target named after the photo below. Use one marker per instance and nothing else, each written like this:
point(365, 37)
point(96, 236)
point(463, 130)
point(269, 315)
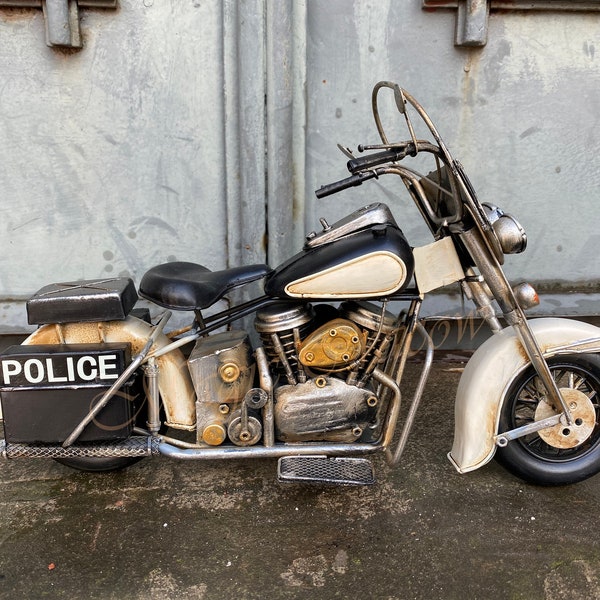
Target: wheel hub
point(562, 435)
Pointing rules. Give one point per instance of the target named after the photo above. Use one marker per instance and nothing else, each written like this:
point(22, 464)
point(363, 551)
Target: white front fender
point(486, 379)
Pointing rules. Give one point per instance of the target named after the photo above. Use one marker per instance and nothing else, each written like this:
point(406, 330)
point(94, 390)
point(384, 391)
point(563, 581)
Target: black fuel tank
point(375, 262)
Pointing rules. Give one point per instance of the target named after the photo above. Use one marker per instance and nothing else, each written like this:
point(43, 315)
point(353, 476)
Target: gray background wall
point(198, 129)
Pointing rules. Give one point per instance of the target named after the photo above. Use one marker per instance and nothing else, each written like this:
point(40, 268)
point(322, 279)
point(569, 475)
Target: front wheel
point(560, 454)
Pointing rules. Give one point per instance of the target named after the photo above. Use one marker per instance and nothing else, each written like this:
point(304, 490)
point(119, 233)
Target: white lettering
point(93, 372)
point(70, 369)
point(59, 369)
point(9, 368)
point(108, 363)
point(52, 378)
point(39, 370)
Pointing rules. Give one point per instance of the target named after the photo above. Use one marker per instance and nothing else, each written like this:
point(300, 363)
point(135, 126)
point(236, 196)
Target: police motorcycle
point(100, 385)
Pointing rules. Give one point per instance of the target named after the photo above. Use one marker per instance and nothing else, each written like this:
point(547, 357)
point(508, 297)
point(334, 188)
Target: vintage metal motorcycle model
point(99, 385)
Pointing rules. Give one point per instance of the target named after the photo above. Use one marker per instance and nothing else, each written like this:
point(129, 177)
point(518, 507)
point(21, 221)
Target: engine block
point(323, 408)
point(222, 370)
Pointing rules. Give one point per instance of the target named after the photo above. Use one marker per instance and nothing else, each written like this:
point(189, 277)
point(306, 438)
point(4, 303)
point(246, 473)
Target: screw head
point(229, 372)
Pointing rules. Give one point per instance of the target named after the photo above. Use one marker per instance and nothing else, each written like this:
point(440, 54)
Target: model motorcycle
point(99, 384)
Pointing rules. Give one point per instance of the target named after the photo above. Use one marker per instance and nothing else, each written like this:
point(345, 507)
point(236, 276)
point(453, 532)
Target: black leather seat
point(189, 286)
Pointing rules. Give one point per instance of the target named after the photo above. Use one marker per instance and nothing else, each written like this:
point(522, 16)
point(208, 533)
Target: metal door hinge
point(472, 15)
point(61, 17)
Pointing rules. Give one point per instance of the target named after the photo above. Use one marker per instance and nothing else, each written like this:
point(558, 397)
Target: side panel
point(174, 381)
point(437, 265)
point(486, 378)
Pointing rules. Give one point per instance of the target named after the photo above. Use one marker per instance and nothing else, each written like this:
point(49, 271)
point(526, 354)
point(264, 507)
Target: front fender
point(174, 381)
point(486, 378)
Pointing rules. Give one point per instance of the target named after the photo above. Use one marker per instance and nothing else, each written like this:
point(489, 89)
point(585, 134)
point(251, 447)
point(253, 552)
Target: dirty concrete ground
point(191, 530)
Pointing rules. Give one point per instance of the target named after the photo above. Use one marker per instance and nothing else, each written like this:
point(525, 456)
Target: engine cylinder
point(281, 327)
point(378, 325)
point(368, 316)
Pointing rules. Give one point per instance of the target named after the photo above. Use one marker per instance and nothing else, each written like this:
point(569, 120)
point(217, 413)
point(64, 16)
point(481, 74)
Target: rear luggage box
point(46, 391)
point(93, 300)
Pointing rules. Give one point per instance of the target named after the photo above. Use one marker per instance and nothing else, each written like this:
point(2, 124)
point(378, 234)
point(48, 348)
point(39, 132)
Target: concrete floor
point(171, 530)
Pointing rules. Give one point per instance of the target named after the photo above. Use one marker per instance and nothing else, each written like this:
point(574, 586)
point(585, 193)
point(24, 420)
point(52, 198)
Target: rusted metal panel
point(472, 23)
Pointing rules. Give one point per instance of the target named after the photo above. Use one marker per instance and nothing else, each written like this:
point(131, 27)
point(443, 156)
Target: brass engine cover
point(336, 343)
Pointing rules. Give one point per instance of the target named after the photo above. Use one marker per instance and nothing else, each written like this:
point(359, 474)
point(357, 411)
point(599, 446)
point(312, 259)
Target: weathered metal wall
point(520, 113)
point(198, 129)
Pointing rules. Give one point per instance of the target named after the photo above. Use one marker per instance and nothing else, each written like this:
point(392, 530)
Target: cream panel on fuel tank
point(369, 275)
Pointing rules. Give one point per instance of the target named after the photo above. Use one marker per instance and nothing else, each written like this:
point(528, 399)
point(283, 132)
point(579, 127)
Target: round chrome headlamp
point(508, 230)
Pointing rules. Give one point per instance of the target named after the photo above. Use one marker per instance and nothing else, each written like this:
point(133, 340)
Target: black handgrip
point(373, 160)
point(343, 184)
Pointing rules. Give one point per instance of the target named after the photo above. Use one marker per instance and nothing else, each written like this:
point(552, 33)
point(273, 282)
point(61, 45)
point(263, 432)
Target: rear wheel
point(98, 464)
point(560, 454)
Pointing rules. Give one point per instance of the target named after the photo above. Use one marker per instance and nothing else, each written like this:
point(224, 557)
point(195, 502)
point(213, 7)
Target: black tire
point(530, 457)
point(99, 464)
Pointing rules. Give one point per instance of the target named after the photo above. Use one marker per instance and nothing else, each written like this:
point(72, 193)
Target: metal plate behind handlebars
point(372, 214)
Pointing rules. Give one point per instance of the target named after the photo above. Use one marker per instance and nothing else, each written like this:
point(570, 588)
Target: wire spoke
point(533, 391)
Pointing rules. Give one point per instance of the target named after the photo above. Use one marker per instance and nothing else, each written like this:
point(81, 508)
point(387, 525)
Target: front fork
point(494, 277)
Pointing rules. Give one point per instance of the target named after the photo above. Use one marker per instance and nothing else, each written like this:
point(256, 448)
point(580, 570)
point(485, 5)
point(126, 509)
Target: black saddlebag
point(108, 299)
point(46, 391)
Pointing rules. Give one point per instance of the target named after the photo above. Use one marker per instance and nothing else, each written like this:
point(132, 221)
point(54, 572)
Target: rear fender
point(174, 382)
point(486, 379)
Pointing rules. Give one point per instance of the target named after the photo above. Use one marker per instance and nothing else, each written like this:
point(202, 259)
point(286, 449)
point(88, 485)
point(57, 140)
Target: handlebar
point(343, 184)
point(362, 169)
point(441, 198)
point(379, 158)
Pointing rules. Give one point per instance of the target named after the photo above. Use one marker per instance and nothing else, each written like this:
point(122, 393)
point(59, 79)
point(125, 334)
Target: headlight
point(510, 234)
